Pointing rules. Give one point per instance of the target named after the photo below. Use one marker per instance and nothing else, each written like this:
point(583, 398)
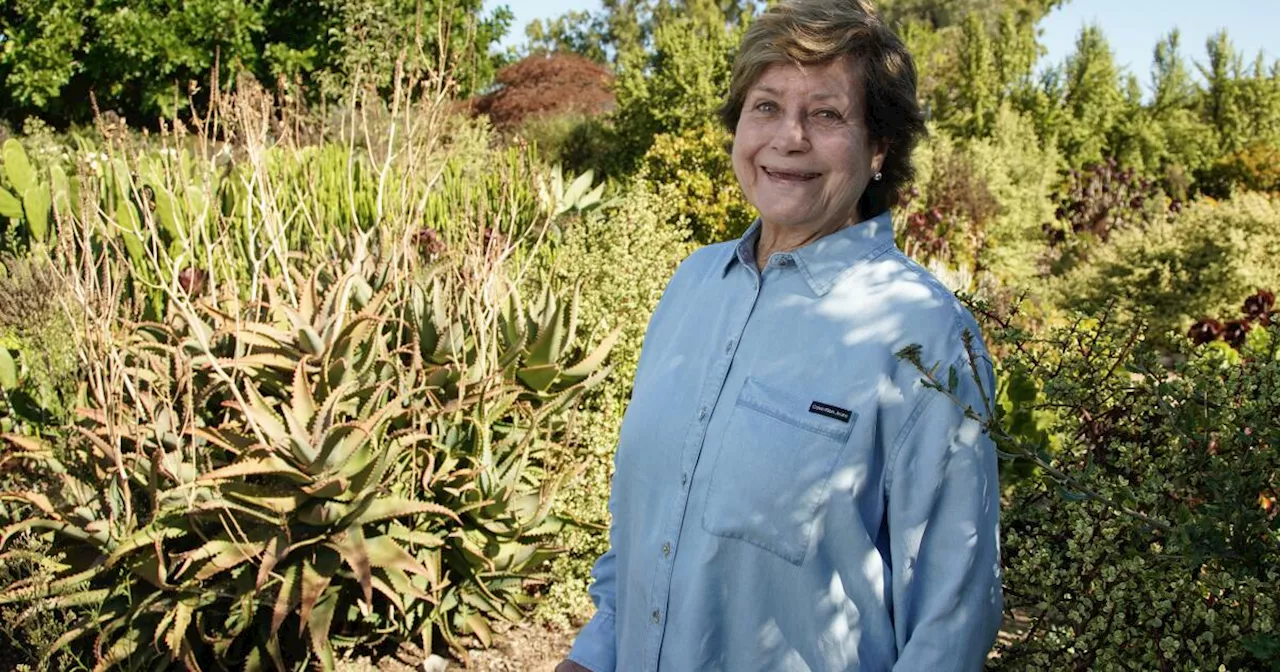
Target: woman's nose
point(791, 134)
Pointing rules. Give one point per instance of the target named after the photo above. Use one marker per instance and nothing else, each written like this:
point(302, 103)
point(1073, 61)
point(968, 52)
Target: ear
point(879, 149)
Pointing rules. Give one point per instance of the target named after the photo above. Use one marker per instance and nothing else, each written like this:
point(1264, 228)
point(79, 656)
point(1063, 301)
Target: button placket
point(717, 376)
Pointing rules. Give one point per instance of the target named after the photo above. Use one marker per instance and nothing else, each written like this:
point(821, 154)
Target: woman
point(787, 495)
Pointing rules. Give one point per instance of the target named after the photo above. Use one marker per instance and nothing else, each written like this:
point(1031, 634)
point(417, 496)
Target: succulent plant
point(578, 195)
point(356, 460)
point(31, 199)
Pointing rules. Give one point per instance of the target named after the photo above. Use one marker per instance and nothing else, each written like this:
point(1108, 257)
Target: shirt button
point(702, 413)
point(784, 260)
point(684, 479)
point(728, 347)
point(657, 616)
point(666, 549)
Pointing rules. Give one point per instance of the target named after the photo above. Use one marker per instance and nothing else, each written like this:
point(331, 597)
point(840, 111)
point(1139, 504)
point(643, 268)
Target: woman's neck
point(775, 239)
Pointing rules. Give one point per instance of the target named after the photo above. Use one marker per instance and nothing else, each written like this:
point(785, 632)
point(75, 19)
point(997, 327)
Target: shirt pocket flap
point(814, 415)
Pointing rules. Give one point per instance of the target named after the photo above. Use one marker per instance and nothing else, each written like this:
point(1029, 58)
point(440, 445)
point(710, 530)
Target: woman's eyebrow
point(821, 95)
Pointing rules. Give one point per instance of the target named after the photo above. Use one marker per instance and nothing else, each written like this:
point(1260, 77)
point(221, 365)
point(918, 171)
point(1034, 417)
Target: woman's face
point(802, 152)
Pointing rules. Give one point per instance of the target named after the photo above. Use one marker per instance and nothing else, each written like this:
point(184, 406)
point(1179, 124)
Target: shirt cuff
point(596, 646)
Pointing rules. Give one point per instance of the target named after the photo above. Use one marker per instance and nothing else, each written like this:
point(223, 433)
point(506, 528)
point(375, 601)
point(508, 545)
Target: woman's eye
point(830, 115)
point(765, 106)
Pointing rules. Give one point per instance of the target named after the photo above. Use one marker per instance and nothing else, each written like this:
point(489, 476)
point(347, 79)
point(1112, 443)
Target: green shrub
point(697, 163)
point(557, 136)
point(1158, 547)
point(982, 204)
point(623, 256)
point(1254, 168)
point(1097, 201)
point(1173, 272)
point(38, 337)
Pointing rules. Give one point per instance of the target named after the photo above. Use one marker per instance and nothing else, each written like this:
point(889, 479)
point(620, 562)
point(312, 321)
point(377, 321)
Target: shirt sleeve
point(596, 646)
point(943, 517)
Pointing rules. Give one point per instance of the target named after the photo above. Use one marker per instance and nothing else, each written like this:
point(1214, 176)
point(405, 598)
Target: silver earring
point(879, 176)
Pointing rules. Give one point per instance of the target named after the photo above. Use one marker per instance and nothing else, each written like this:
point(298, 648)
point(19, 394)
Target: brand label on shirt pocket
point(830, 411)
point(770, 477)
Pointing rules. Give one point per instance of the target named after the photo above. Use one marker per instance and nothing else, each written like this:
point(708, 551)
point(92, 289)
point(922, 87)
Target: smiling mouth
point(790, 176)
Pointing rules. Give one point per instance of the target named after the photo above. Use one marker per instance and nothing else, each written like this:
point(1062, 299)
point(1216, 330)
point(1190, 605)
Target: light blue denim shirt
point(787, 496)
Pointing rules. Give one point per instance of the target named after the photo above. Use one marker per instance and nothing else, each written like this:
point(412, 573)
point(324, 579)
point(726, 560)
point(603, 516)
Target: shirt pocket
point(771, 473)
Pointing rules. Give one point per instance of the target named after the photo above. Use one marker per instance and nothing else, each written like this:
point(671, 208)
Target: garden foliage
point(288, 431)
point(278, 384)
point(142, 59)
point(1151, 540)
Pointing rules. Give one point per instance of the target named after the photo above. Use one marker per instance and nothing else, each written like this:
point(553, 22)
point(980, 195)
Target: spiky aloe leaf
point(337, 446)
point(317, 573)
point(120, 650)
point(571, 318)
point(281, 500)
point(351, 546)
point(416, 537)
point(385, 508)
point(310, 341)
point(221, 554)
point(548, 344)
point(323, 513)
point(258, 465)
point(265, 419)
point(405, 586)
point(287, 597)
point(301, 401)
point(230, 440)
point(319, 622)
point(385, 553)
point(477, 626)
point(149, 536)
point(592, 362)
point(384, 587)
point(539, 378)
point(175, 639)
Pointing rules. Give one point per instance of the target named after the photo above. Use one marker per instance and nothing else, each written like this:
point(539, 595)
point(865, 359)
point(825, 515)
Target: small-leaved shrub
point(1149, 537)
point(697, 163)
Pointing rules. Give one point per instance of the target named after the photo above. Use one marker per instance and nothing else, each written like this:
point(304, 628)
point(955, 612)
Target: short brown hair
point(811, 32)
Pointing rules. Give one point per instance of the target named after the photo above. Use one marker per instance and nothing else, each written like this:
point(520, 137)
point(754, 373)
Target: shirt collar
point(826, 259)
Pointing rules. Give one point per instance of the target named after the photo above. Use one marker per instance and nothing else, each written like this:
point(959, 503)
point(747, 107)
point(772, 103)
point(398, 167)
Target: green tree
point(579, 32)
point(939, 14)
point(967, 70)
point(1221, 104)
point(369, 36)
point(677, 86)
point(140, 57)
point(1092, 99)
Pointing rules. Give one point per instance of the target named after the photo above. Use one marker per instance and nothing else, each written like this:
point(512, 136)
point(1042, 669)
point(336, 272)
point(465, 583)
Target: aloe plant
point(365, 458)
